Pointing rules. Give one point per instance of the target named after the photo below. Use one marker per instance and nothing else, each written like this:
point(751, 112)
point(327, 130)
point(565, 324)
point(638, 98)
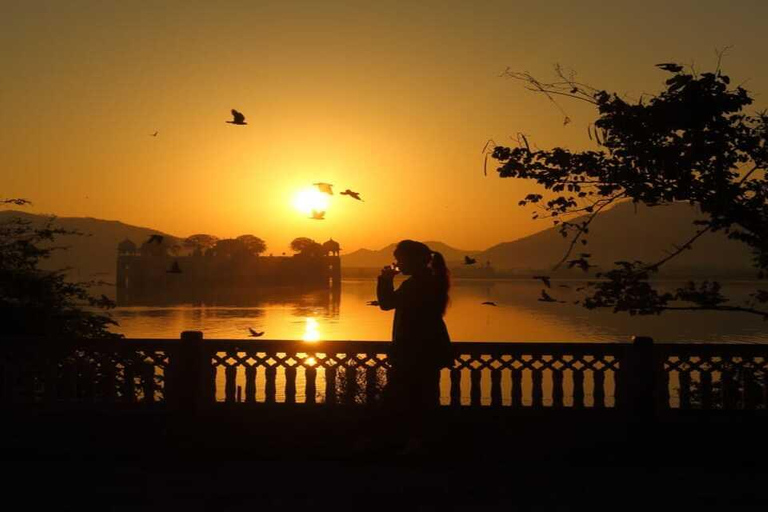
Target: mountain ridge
point(625, 232)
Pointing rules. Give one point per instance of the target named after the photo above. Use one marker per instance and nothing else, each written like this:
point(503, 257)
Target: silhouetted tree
point(200, 242)
point(253, 244)
point(228, 248)
point(692, 143)
point(305, 246)
point(36, 302)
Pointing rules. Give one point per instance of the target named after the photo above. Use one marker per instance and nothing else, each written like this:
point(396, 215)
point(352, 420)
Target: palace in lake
point(155, 268)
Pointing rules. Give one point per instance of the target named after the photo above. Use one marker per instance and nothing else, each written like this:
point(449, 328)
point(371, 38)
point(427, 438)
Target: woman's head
point(412, 257)
point(415, 258)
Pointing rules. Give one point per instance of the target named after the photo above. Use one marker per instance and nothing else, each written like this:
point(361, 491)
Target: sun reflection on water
point(311, 332)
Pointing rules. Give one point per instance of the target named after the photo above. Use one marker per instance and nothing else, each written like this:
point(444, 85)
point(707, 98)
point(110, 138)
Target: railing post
point(190, 386)
point(641, 379)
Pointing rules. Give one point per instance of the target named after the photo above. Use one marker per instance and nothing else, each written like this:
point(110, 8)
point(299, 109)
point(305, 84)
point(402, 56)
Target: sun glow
point(310, 199)
point(311, 333)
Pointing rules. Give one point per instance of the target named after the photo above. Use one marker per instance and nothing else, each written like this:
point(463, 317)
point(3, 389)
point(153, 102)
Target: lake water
point(519, 316)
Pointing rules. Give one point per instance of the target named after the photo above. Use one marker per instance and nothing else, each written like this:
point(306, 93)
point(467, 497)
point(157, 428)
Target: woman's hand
point(388, 272)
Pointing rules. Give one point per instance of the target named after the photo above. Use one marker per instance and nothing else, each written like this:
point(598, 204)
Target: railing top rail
point(467, 347)
point(696, 349)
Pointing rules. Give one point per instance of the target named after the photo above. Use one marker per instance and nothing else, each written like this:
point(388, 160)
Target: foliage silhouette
point(42, 303)
point(306, 246)
point(200, 242)
point(691, 143)
point(252, 244)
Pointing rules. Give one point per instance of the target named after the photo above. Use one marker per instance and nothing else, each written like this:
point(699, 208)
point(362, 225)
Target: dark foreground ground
point(266, 459)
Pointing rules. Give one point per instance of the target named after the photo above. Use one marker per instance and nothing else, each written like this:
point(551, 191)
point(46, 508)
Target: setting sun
point(310, 199)
point(311, 332)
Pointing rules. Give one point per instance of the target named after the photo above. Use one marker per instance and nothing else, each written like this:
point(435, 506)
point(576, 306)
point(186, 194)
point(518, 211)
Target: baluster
point(250, 383)
point(148, 381)
point(370, 384)
point(537, 391)
point(474, 387)
point(730, 387)
point(495, 387)
point(517, 387)
point(455, 387)
point(129, 384)
point(350, 379)
point(330, 384)
point(578, 388)
point(662, 388)
point(752, 390)
point(598, 393)
point(270, 373)
point(706, 390)
point(557, 386)
point(230, 383)
point(310, 375)
point(685, 388)
point(290, 384)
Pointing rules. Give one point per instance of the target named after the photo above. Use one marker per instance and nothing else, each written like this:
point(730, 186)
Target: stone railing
point(191, 373)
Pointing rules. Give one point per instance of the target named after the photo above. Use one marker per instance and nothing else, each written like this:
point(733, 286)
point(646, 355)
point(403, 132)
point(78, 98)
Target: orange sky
point(393, 99)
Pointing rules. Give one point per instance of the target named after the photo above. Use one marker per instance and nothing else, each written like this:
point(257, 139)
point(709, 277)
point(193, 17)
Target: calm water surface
point(323, 315)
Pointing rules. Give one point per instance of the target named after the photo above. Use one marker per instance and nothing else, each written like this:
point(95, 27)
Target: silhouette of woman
point(420, 341)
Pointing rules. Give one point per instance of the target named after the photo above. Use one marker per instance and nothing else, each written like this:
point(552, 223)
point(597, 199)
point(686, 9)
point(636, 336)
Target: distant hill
point(622, 233)
point(366, 258)
point(92, 256)
point(629, 233)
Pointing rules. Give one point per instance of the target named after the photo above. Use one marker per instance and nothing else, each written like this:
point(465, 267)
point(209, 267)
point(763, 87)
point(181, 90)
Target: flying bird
point(316, 215)
point(352, 194)
point(545, 280)
point(469, 261)
point(670, 66)
point(237, 118)
point(255, 334)
point(489, 303)
point(154, 134)
point(325, 188)
point(372, 303)
point(545, 297)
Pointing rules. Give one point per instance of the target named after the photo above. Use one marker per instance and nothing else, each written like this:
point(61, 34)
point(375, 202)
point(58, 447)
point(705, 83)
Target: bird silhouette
point(175, 269)
point(154, 134)
point(237, 118)
point(372, 303)
point(316, 215)
point(325, 188)
point(545, 297)
point(469, 261)
point(670, 66)
point(489, 303)
point(545, 280)
point(255, 334)
point(352, 194)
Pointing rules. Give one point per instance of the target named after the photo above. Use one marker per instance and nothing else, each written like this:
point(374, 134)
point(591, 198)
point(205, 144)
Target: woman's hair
point(419, 253)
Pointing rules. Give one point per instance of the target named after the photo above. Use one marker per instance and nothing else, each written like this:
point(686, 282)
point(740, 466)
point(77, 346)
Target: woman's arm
point(386, 294)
